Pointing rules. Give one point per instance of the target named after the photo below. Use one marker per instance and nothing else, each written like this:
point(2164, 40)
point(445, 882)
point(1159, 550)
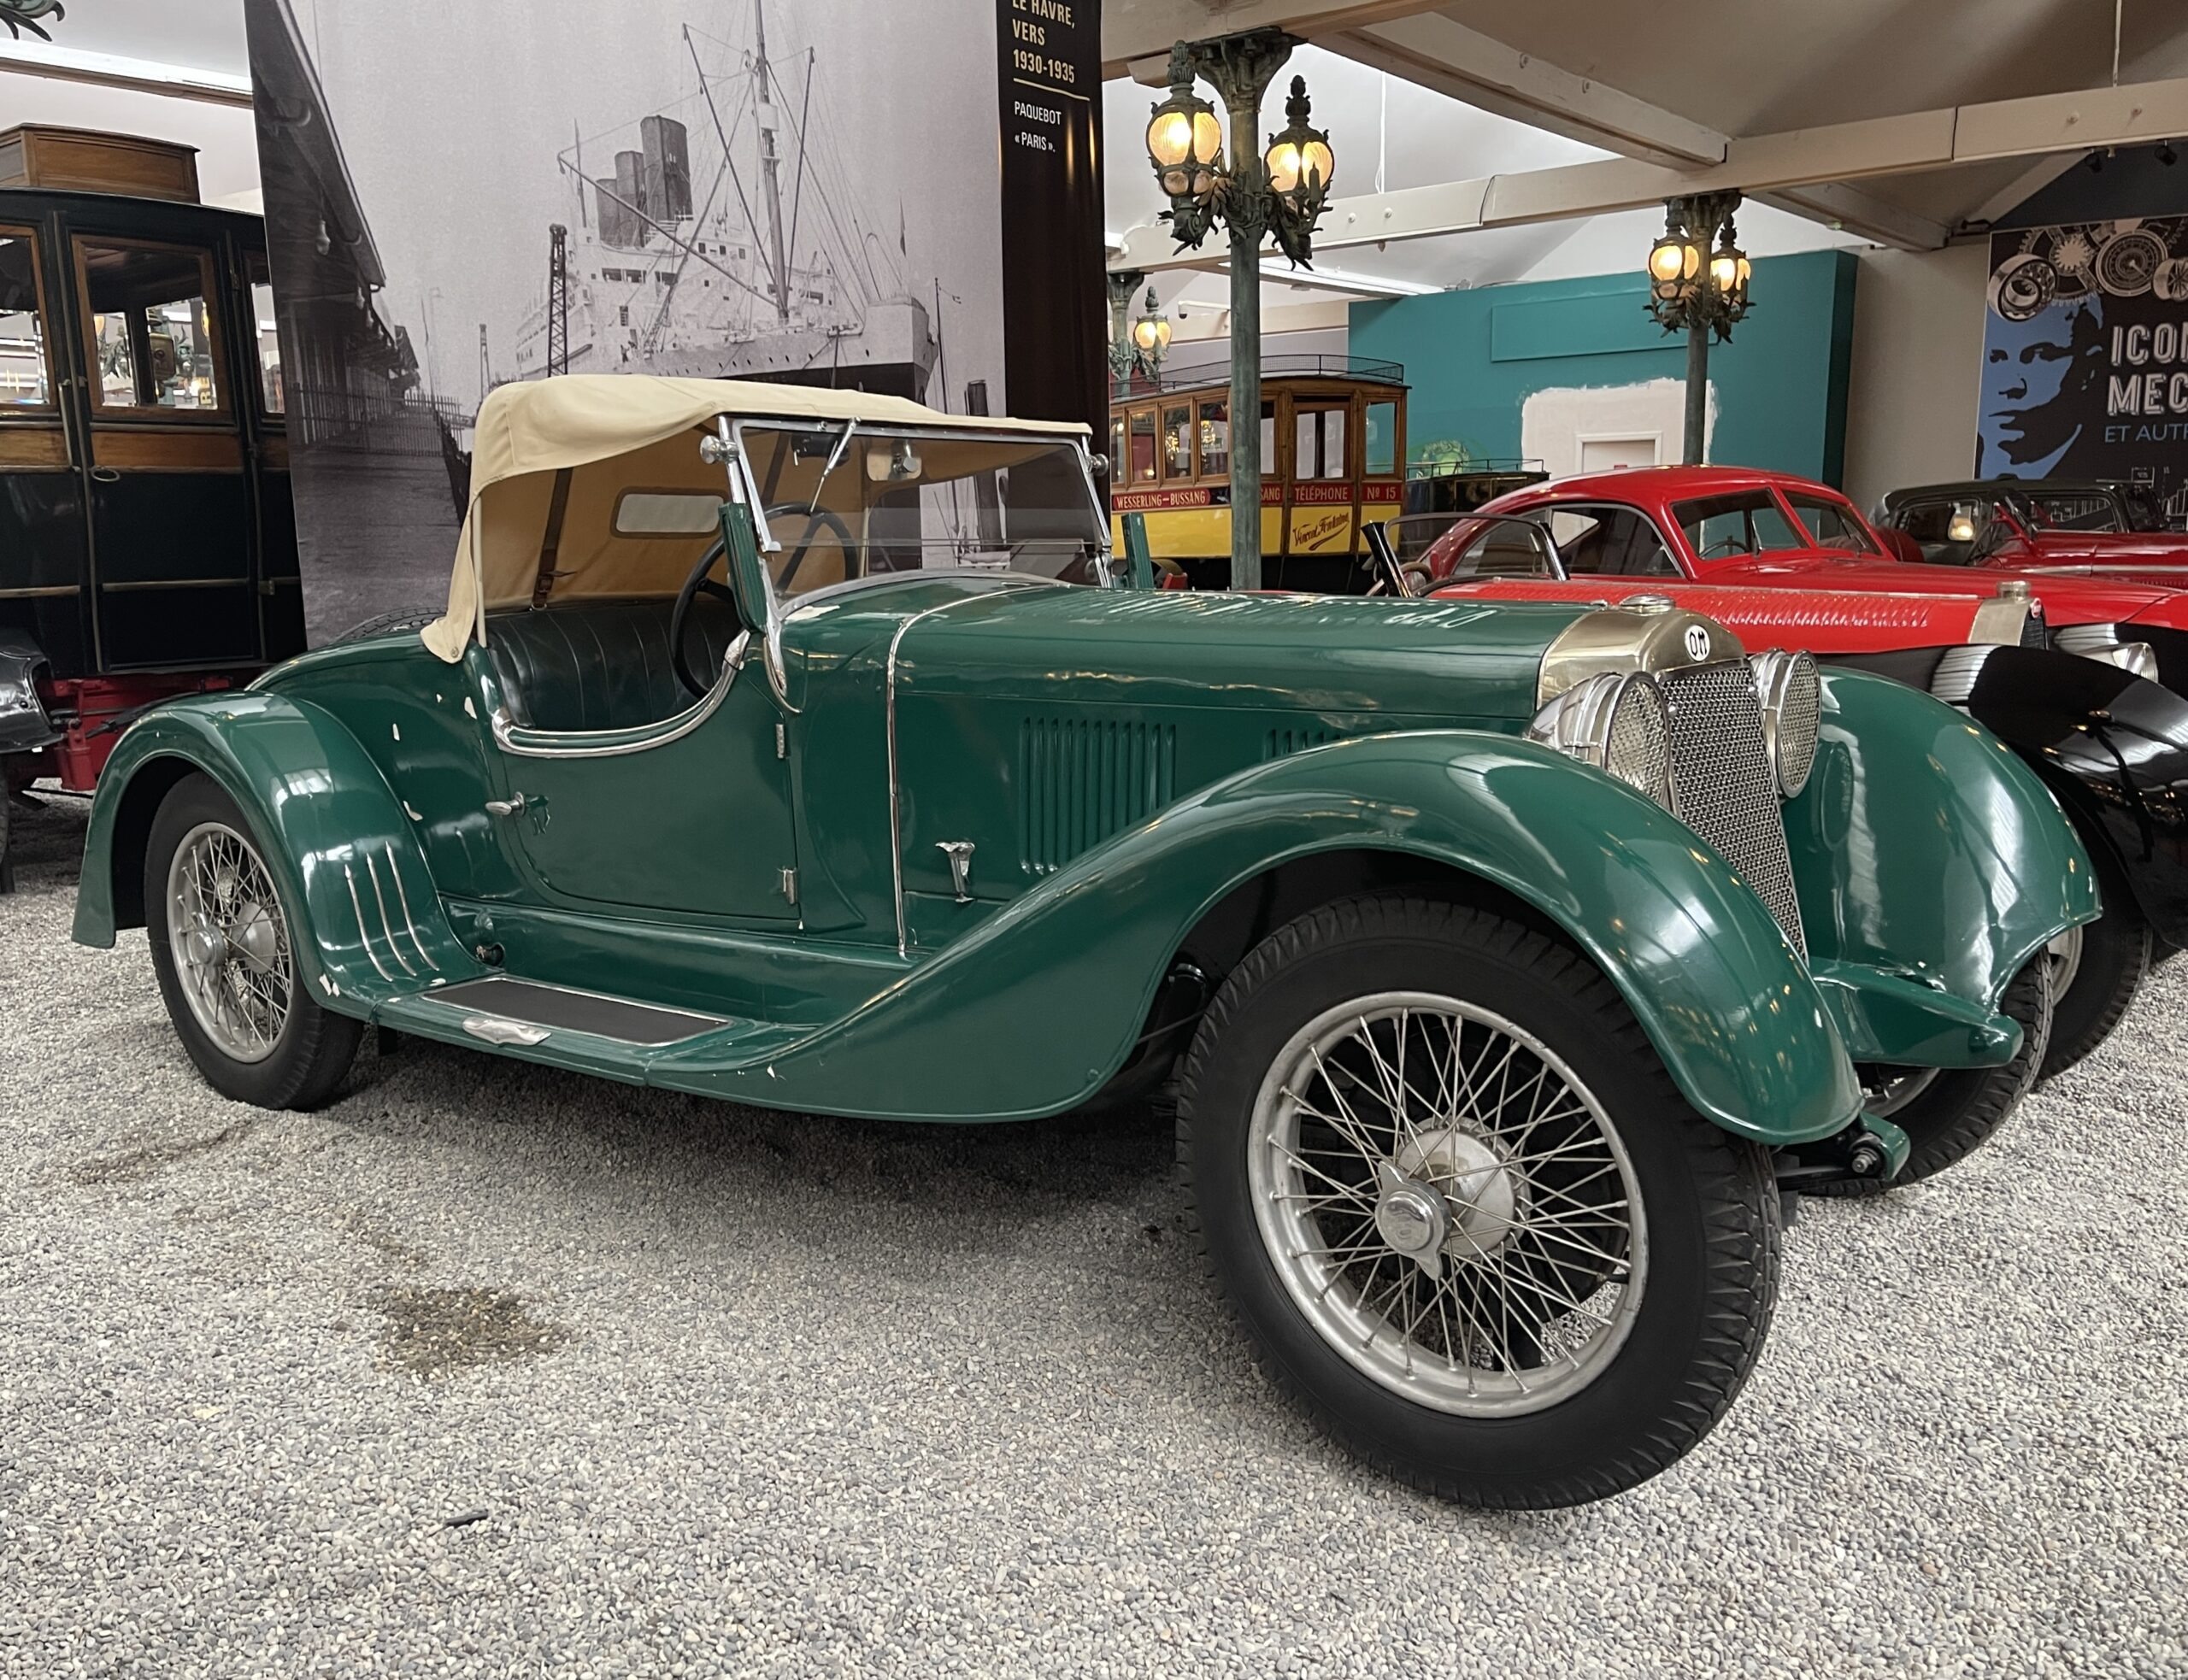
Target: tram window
point(23, 379)
point(1268, 438)
point(1178, 442)
point(1117, 445)
point(1379, 443)
point(1321, 444)
point(271, 395)
point(1215, 440)
point(1143, 446)
point(151, 327)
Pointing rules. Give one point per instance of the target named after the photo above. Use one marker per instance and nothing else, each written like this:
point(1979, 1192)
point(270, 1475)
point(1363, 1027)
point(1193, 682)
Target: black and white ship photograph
point(717, 188)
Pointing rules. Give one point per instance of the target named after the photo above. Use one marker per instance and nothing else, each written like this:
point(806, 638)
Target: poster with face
point(900, 199)
point(2085, 354)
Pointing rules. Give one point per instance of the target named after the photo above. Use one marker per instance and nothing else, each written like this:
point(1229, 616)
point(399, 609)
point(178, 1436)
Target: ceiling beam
point(1805, 170)
point(1441, 54)
point(131, 75)
point(1146, 29)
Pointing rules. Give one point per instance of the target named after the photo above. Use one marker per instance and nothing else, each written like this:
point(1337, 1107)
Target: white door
point(1608, 454)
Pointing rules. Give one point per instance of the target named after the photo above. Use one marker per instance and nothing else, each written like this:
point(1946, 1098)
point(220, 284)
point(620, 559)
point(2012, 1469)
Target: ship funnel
point(631, 188)
point(668, 166)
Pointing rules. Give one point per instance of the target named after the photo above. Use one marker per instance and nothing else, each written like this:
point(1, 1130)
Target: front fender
point(1712, 980)
point(1928, 855)
point(329, 827)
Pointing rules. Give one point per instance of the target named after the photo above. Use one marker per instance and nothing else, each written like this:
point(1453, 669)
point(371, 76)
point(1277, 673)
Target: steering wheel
point(817, 520)
point(1729, 545)
point(680, 619)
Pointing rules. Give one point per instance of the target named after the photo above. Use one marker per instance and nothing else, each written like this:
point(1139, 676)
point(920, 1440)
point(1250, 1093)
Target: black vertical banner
point(1055, 299)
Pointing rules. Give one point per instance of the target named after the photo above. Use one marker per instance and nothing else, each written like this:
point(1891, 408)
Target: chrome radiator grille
point(1723, 786)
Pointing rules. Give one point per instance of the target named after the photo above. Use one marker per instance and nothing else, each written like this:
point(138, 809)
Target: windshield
point(1746, 522)
point(1832, 523)
point(846, 501)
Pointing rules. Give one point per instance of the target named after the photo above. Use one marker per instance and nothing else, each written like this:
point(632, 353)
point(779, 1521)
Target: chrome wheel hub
point(228, 941)
point(1411, 1217)
point(1445, 1203)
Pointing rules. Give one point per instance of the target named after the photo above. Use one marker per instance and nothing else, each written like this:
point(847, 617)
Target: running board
point(590, 1033)
point(502, 1010)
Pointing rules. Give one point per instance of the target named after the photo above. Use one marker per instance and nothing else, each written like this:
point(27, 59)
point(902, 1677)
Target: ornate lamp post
point(1698, 284)
point(1278, 192)
point(21, 14)
point(1137, 345)
point(1151, 336)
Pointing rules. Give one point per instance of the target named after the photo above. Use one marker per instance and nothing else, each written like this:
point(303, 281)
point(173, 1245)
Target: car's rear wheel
point(1948, 1111)
point(221, 947)
point(1461, 1213)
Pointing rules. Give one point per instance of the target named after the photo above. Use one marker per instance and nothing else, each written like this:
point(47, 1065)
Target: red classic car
point(1740, 524)
point(2112, 745)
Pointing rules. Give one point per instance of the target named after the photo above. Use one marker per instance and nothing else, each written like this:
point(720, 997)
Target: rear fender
point(1712, 980)
point(1924, 849)
point(326, 822)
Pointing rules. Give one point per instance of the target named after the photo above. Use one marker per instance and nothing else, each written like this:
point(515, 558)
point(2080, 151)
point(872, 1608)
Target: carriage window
point(1380, 442)
point(1321, 444)
point(1143, 446)
point(1117, 446)
point(271, 395)
point(151, 327)
point(1215, 440)
point(23, 381)
point(1178, 442)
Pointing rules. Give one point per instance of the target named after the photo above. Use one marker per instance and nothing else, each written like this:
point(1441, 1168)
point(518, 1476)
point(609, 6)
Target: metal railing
point(1214, 371)
point(374, 421)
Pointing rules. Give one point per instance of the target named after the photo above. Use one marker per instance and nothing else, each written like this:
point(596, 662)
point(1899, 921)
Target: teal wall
point(1473, 357)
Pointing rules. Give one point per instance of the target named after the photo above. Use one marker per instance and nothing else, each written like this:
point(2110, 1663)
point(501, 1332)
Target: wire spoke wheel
point(230, 941)
point(1449, 1206)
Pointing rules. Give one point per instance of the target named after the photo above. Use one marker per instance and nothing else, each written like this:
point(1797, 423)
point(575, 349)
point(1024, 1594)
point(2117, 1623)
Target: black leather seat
point(595, 665)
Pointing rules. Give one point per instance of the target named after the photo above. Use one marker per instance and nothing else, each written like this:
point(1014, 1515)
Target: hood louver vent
point(1283, 742)
point(1079, 782)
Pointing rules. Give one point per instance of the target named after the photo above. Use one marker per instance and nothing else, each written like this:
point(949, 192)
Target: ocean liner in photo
point(721, 238)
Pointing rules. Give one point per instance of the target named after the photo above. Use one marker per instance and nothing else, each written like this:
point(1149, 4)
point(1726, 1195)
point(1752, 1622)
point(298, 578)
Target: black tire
point(2116, 954)
point(6, 834)
point(1955, 1110)
point(313, 1048)
point(1710, 1207)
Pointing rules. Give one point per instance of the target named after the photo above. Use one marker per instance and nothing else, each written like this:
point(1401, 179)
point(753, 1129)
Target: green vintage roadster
point(1508, 959)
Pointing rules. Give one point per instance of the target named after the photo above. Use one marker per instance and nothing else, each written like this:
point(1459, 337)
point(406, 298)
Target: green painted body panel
point(331, 830)
point(1122, 760)
point(1932, 866)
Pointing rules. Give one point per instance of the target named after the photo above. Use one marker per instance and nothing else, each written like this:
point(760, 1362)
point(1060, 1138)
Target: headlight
point(1617, 721)
point(2102, 642)
point(1792, 713)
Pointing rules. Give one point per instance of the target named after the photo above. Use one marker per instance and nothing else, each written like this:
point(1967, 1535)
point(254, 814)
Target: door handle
point(106, 475)
point(507, 807)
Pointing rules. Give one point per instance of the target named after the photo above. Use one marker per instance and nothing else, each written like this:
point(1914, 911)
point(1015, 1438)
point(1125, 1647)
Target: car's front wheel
point(221, 946)
point(1461, 1213)
point(2096, 971)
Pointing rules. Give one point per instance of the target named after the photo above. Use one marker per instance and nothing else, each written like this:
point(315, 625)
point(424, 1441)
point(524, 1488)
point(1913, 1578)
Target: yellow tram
point(1332, 462)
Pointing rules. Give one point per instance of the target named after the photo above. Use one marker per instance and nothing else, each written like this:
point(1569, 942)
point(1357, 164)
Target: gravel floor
point(491, 1370)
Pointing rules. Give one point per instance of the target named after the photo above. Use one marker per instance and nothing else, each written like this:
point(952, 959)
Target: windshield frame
point(1097, 540)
